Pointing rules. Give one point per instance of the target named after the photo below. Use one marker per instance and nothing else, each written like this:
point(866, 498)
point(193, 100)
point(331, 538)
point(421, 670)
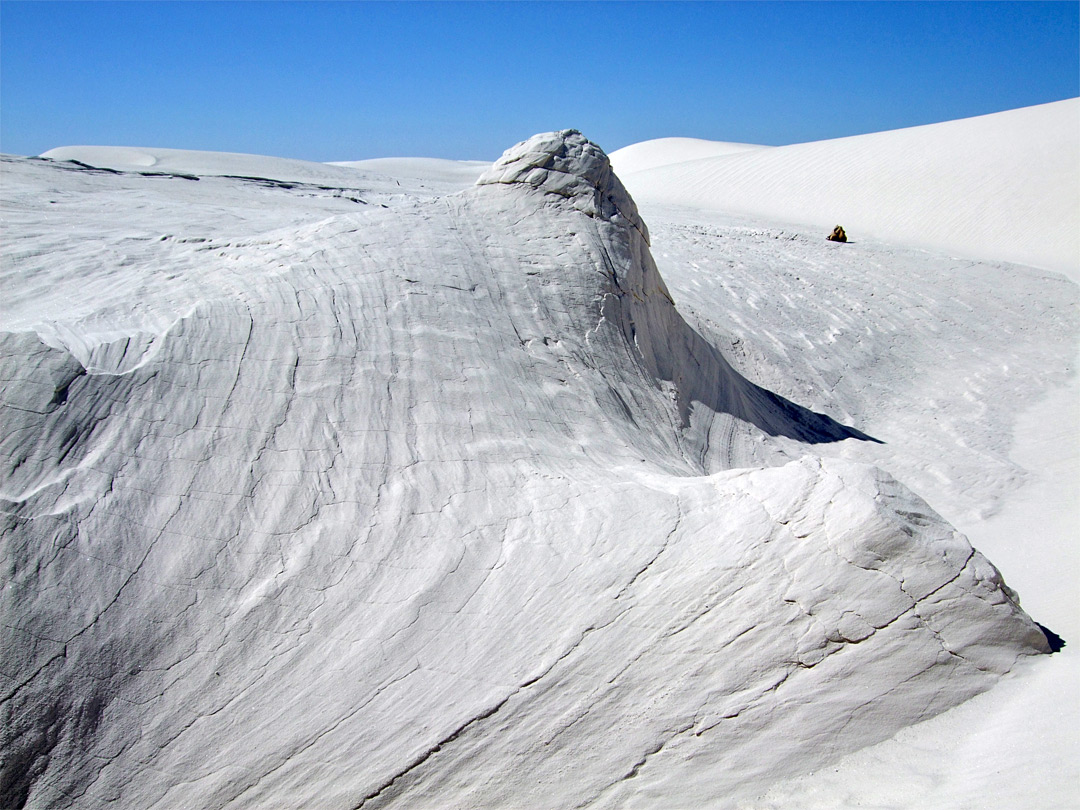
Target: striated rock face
point(564, 170)
point(567, 164)
point(435, 505)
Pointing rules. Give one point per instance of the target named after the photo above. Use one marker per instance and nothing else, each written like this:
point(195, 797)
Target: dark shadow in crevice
point(804, 424)
point(1056, 642)
point(704, 375)
point(674, 352)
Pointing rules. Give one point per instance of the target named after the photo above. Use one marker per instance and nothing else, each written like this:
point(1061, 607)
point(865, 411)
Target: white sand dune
point(1003, 186)
point(422, 176)
point(189, 161)
point(665, 151)
point(387, 498)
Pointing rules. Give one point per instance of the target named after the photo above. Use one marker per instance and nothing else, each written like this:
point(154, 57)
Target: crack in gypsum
point(317, 737)
point(661, 550)
point(430, 752)
point(457, 733)
point(637, 766)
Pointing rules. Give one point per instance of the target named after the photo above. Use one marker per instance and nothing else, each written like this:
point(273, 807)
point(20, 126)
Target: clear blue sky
point(345, 81)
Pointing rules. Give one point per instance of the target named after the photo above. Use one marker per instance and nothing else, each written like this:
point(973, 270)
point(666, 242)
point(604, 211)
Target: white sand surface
point(444, 176)
point(190, 161)
point(1003, 186)
point(666, 151)
point(335, 492)
point(414, 177)
point(992, 448)
point(1017, 745)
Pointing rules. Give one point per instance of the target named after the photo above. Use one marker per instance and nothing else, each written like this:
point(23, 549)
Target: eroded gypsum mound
point(411, 517)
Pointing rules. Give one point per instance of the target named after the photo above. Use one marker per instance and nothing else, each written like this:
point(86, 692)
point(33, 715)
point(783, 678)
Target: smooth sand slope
point(1003, 186)
point(665, 151)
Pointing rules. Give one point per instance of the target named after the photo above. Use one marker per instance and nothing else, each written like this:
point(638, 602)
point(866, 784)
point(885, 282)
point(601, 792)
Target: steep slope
point(1001, 187)
point(427, 506)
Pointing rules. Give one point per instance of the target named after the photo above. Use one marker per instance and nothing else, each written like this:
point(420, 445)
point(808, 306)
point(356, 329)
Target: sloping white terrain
point(349, 496)
point(423, 174)
point(666, 151)
point(202, 164)
point(1001, 187)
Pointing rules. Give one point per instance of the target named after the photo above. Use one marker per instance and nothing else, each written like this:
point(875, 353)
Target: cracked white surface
point(444, 504)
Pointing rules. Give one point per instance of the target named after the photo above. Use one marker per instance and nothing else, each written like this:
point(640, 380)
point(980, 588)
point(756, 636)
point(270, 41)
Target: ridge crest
point(567, 164)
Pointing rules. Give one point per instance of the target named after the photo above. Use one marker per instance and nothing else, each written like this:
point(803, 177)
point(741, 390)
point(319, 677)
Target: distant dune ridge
point(666, 151)
point(1004, 186)
point(187, 161)
point(1000, 186)
point(323, 486)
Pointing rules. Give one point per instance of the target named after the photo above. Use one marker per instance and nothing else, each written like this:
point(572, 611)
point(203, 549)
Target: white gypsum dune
point(312, 502)
point(187, 161)
point(1001, 187)
point(638, 157)
point(421, 176)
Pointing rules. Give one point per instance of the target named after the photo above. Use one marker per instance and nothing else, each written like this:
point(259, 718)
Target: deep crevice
point(1056, 642)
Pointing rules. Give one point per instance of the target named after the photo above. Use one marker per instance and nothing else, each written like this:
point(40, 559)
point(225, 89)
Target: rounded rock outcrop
point(568, 164)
